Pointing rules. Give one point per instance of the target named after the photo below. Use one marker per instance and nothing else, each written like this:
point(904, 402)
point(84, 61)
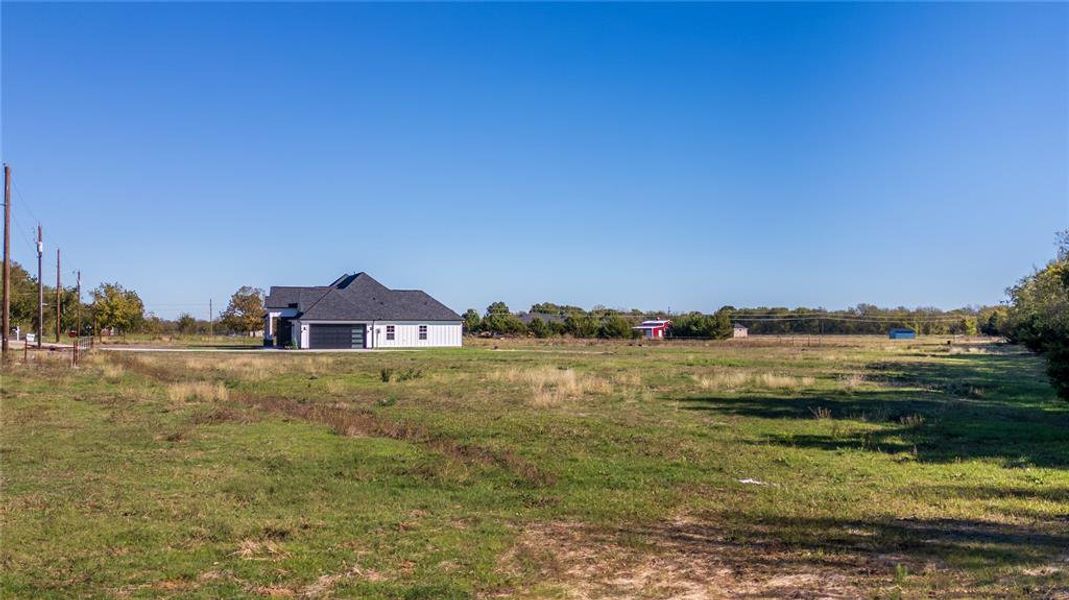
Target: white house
point(356, 312)
point(738, 331)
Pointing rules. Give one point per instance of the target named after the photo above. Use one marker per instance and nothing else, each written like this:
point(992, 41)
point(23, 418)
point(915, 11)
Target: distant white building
point(739, 331)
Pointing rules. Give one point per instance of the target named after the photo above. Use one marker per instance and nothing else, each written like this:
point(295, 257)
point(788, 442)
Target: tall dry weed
point(550, 386)
point(193, 391)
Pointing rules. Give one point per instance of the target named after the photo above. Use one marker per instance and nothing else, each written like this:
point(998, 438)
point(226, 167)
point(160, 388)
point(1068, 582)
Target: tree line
point(1038, 317)
point(1035, 310)
point(115, 309)
point(548, 319)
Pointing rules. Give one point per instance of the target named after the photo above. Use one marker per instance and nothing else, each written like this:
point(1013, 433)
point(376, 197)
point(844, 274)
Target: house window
point(389, 332)
point(422, 332)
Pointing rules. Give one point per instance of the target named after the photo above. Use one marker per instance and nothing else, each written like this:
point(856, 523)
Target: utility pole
point(211, 320)
point(7, 258)
point(78, 308)
point(40, 288)
point(59, 288)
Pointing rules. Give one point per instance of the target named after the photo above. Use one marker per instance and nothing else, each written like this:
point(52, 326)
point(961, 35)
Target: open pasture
point(857, 468)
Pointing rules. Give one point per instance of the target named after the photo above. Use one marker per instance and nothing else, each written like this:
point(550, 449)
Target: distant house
point(355, 312)
point(654, 330)
point(902, 333)
point(739, 331)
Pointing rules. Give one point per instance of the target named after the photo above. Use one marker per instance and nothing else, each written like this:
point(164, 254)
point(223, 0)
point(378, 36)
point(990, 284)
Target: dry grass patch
point(260, 550)
point(334, 386)
point(176, 367)
point(325, 584)
point(734, 379)
point(627, 380)
point(852, 381)
point(550, 386)
point(723, 380)
point(111, 371)
point(192, 391)
point(781, 382)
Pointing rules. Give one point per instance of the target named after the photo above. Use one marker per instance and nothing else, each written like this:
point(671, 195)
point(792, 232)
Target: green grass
point(539, 470)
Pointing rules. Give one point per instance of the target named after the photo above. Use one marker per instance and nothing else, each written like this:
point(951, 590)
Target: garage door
point(336, 336)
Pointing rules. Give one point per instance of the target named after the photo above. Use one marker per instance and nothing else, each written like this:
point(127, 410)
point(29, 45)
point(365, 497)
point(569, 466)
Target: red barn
point(654, 330)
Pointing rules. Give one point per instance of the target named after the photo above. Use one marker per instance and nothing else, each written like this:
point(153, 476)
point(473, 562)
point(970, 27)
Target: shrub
point(581, 325)
point(408, 374)
point(615, 326)
point(1039, 318)
point(539, 328)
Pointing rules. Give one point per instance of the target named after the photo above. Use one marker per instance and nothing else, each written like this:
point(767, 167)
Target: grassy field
point(182, 340)
point(761, 468)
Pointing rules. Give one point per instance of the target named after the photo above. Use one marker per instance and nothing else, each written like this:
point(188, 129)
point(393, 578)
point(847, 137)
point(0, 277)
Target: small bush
point(912, 421)
point(820, 412)
point(852, 380)
point(387, 374)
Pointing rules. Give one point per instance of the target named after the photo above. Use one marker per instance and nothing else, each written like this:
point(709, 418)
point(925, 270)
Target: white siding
point(300, 332)
point(406, 334)
point(440, 334)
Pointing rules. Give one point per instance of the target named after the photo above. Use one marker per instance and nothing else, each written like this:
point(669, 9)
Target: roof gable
point(360, 297)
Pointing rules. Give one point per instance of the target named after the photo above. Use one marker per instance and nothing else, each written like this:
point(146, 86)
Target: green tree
point(993, 320)
point(245, 312)
point(185, 324)
point(721, 326)
point(1039, 316)
point(472, 320)
point(117, 308)
point(23, 298)
point(615, 326)
point(581, 325)
point(500, 320)
point(154, 325)
point(969, 326)
point(539, 328)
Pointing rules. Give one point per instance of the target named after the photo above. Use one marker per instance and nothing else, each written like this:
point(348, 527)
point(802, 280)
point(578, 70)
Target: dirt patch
point(683, 559)
point(324, 585)
point(702, 559)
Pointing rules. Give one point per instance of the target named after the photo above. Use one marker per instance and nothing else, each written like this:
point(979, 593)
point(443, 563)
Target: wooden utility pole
point(40, 288)
point(7, 258)
point(59, 289)
point(211, 320)
point(78, 310)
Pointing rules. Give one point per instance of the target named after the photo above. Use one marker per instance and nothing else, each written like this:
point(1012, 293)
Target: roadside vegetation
point(858, 467)
point(1039, 316)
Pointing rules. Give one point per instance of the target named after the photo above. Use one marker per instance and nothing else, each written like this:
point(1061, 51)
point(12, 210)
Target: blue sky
point(653, 156)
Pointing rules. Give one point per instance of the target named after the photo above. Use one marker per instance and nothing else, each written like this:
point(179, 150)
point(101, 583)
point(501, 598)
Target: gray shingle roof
point(359, 298)
point(294, 297)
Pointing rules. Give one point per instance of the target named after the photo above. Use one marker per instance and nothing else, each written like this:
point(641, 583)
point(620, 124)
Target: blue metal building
point(902, 333)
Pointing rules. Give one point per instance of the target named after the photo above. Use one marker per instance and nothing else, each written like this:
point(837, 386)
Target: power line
point(19, 227)
point(22, 200)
